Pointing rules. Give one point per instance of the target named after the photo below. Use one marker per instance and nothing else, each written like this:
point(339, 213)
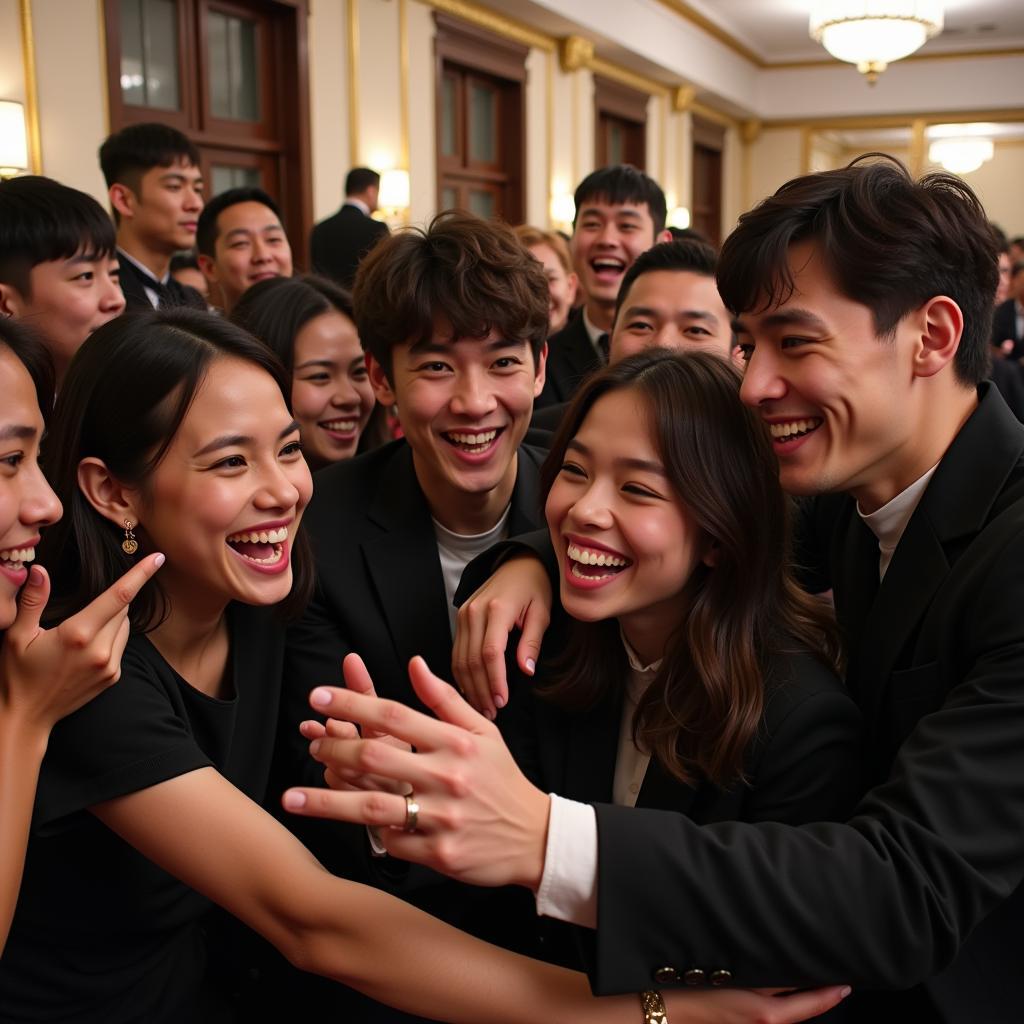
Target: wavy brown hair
point(701, 712)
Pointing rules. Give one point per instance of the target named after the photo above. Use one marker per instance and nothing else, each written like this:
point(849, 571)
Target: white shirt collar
point(594, 333)
point(141, 266)
point(358, 204)
point(889, 522)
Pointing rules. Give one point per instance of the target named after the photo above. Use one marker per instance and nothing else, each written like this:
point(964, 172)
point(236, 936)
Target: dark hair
point(276, 310)
point(359, 179)
point(184, 261)
point(129, 388)
point(691, 255)
point(126, 155)
point(42, 220)
point(889, 242)
point(701, 712)
point(206, 228)
point(687, 235)
point(473, 273)
point(35, 357)
point(623, 183)
point(1002, 242)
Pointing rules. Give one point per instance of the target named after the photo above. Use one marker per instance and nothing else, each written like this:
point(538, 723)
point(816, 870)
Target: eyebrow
point(254, 231)
point(316, 362)
point(443, 347)
point(786, 318)
point(647, 465)
point(17, 432)
point(598, 211)
point(689, 314)
point(237, 440)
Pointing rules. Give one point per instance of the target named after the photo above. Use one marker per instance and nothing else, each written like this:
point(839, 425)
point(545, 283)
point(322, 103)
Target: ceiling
point(776, 30)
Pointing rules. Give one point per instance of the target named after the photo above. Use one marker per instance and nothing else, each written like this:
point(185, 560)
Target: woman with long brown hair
point(695, 676)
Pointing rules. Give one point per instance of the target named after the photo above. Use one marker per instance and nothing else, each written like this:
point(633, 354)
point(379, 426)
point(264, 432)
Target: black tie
point(602, 345)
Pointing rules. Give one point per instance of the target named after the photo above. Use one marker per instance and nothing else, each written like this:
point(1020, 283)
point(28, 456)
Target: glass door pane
point(482, 203)
point(234, 72)
point(225, 177)
point(149, 54)
point(483, 123)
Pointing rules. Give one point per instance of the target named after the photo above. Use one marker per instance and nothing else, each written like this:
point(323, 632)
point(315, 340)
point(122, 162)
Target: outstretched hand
point(480, 820)
point(517, 596)
point(46, 674)
point(750, 1006)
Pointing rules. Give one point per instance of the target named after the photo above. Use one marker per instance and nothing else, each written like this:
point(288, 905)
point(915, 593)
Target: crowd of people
point(500, 627)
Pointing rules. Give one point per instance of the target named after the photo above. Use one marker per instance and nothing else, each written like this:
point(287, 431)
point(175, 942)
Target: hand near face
point(480, 820)
point(46, 674)
point(517, 596)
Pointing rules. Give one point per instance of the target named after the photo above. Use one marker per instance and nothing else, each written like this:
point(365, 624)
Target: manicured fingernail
point(531, 666)
point(321, 696)
point(499, 701)
point(35, 576)
point(843, 993)
point(293, 800)
point(314, 747)
point(160, 559)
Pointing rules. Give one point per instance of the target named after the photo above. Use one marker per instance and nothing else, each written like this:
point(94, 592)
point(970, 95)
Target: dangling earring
point(129, 545)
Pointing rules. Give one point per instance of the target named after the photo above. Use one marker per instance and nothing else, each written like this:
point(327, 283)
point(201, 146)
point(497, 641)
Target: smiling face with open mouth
point(628, 544)
point(225, 502)
point(27, 503)
point(464, 405)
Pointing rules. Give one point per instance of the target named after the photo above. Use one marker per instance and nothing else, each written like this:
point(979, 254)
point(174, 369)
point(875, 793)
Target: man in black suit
point(867, 352)
point(338, 243)
point(1008, 321)
point(668, 299)
point(156, 193)
point(620, 213)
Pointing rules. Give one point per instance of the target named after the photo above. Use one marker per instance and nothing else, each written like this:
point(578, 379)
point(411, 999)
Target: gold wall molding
point(750, 131)
point(715, 116)
point(688, 13)
point(28, 60)
point(403, 80)
point(624, 76)
point(897, 120)
point(683, 97)
point(499, 24)
point(917, 146)
point(791, 65)
point(574, 53)
point(353, 83)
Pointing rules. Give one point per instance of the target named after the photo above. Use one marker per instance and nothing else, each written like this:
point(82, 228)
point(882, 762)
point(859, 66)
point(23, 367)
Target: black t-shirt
point(101, 933)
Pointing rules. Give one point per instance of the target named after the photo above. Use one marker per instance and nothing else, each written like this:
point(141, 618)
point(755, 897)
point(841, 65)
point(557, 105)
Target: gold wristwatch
point(654, 1007)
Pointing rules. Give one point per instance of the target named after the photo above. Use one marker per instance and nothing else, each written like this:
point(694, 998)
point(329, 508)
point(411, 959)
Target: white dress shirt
point(889, 522)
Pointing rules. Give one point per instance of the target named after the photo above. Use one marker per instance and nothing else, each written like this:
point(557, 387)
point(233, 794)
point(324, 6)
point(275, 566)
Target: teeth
point(271, 560)
point(278, 536)
point(587, 557)
point(575, 570)
point(341, 426)
point(792, 428)
point(473, 439)
point(18, 555)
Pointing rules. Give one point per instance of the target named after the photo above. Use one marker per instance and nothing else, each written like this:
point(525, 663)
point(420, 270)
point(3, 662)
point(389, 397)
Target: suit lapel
point(661, 791)
point(525, 514)
point(405, 568)
point(590, 752)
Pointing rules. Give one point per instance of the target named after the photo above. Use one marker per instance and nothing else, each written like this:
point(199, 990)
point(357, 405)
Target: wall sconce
point(563, 210)
point(13, 142)
point(679, 218)
point(393, 197)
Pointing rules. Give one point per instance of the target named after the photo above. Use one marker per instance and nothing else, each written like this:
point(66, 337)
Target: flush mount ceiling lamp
point(961, 156)
point(874, 33)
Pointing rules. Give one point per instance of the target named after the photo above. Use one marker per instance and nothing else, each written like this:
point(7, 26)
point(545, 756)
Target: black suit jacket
point(1004, 327)
point(134, 282)
point(338, 243)
point(921, 885)
point(571, 357)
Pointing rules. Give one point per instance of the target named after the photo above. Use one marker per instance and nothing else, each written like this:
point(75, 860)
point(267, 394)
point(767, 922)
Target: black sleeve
point(882, 901)
point(476, 574)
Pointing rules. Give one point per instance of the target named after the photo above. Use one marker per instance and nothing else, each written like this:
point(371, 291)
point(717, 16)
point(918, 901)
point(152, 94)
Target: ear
point(208, 267)
point(663, 236)
point(122, 199)
point(11, 301)
point(379, 382)
point(542, 364)
point(574, 287)
point(106, 494)
point(938, 326)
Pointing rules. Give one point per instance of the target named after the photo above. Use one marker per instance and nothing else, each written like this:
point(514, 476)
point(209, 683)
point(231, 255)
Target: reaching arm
point(209, 835)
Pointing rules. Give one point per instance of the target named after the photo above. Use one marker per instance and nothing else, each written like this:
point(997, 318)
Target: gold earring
point(129, 545)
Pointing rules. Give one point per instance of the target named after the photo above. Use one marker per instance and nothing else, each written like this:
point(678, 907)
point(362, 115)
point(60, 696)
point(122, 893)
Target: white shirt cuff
point(568, 887)
point(377, 848)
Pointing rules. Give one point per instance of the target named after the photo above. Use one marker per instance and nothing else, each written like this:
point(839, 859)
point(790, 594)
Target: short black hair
point(690, 256)
point(42, 220)
point(126, 155)
point(889, 242)
point(35, 357)
point(184, 261)
point(359, 179)
point(206, 229)
point(276, 310)
point(624, 183)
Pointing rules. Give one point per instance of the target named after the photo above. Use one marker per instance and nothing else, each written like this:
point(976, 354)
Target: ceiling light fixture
point(961, 156)
point(874, 33)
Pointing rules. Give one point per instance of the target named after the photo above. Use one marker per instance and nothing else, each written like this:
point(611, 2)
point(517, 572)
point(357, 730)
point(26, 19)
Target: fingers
point(366, 762)
point(442, 699)
point(467, 660)
point(34, 596)
point(380, 809)
point(357, 676)
point(535, 624)
point(115, 599)
point(804, 1005)
point(385, 716)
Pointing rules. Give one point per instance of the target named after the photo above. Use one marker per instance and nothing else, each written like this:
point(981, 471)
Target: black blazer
point(338, 243)
point(134, 282)
point(1004, 328)
point(571, 356)
point(921, 885)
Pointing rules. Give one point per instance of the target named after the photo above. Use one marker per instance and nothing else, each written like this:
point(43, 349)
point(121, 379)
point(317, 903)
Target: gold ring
point(412, 813)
